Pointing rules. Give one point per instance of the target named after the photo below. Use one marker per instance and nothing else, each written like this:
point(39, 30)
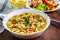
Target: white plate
point(56, 1)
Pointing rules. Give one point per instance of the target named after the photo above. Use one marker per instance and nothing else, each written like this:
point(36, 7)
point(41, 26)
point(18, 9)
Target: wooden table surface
point(52, 33)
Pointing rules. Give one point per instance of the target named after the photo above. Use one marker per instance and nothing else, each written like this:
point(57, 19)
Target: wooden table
point(52, 33)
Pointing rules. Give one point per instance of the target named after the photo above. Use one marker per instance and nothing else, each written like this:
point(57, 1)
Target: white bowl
point(26, 36)
point(56, 1)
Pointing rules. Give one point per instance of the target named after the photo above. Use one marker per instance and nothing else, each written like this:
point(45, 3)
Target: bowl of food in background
point(16, 4)
point(26, 23)
point(43, 5)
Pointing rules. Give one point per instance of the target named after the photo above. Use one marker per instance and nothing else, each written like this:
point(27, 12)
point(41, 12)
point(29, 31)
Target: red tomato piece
point(21, 30)
point(50, 6)
point(21, 14)
point(34, 24)
point(30, 29)
point(13, 26)
point(33, 16)
point(45, 1)
point(40, 20)
point(13, 21)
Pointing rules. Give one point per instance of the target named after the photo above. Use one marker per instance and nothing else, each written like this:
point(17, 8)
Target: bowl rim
point(4, 24)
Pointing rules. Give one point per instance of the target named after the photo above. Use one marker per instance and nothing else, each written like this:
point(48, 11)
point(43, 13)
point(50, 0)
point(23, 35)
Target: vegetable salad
point(26, 23)
point(43, 5)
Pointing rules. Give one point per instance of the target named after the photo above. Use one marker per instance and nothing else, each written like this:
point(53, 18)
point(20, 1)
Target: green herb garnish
point(37, 17)
point(25, 28)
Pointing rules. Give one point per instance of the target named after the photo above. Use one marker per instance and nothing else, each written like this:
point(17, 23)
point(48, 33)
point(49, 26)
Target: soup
point(26, 23)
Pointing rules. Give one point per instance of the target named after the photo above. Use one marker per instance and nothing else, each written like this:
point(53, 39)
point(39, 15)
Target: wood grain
point(52, 33)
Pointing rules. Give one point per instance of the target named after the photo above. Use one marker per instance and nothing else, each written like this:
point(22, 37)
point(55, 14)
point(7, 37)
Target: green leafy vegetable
point(37, 17)
point(26, 19)
point(25, 28)
point(41, 6)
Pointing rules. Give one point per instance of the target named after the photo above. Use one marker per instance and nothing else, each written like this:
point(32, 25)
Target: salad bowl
point(41, 6)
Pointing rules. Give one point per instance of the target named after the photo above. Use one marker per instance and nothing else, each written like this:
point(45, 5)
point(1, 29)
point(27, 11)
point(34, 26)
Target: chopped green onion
point(25, 28)
point(37, 17)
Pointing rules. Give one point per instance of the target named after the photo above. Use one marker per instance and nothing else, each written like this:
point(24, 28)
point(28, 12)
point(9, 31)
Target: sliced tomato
point(34, 24)
point(30, 29)
point(21, 30)
point(45, 1)
point(21, 14)
point(40, 20)
point(50, 6)
point(13, 26)
point(13, 21)
point(33, 16)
